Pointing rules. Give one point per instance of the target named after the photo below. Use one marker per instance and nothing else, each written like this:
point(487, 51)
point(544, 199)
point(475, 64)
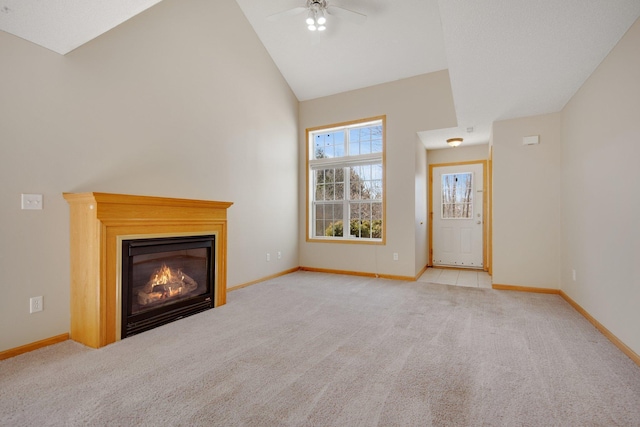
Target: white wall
point(411, 105)
point(181, 101)
point(526, 202)
point(458, 154)
point(421, 196)
point(600, 192)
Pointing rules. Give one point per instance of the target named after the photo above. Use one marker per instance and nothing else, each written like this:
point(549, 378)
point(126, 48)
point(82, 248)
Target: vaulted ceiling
point(506, 58)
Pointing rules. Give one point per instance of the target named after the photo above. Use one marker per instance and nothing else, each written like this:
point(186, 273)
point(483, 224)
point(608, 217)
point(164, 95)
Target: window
point(346, 181)
point(457, 196)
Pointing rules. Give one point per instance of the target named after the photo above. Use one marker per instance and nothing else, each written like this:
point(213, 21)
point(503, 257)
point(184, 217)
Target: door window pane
point(457, 195)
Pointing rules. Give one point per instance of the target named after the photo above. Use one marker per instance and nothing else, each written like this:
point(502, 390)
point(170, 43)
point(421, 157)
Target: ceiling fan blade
point(347, 14)
point(285, 13)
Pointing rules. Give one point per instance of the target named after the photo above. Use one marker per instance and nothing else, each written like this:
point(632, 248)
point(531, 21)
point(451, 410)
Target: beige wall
point(411, 105)
point(458, 154)
point(181, 101)
point(600, 192)
point(526, 202)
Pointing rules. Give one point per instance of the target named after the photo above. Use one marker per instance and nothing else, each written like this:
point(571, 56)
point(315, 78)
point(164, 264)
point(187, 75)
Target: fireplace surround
point(100, 222)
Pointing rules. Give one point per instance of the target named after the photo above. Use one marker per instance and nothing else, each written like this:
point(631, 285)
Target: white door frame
point(485, 201)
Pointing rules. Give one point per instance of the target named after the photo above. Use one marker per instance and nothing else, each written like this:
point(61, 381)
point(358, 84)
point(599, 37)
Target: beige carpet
point(311, 349)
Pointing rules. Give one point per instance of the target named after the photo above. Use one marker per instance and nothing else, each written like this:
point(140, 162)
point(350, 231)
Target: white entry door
point(457, 215)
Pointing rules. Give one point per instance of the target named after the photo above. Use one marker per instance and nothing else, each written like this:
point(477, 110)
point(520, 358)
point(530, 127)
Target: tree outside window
point(457, 197)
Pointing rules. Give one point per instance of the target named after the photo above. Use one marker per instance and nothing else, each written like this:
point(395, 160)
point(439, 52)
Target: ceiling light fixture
point(454, 142)
point(316, 19)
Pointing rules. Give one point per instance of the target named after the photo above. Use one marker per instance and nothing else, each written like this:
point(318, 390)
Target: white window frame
point(346, 162)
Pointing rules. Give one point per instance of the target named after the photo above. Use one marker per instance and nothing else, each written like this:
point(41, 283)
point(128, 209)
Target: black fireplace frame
point(132, 324)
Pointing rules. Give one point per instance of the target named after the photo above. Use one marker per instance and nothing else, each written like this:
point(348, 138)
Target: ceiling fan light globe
point(310, 21)
point(312, 27)
point(322, 28)
point(321, 19)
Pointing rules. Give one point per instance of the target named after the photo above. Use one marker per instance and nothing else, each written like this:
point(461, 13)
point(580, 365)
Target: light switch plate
point(32, 201)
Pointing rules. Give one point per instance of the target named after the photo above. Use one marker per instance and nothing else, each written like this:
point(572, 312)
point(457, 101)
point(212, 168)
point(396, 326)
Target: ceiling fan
point(316, 11)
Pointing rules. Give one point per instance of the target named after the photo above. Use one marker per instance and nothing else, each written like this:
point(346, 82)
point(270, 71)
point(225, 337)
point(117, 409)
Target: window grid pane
point(329, 144)
point(365, 219)
point(366, 182)
point(328, 219)
point(329, 184)
point(365, 140)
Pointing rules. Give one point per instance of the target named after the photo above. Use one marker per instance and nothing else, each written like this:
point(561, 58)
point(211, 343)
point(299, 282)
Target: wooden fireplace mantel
point(99, 221)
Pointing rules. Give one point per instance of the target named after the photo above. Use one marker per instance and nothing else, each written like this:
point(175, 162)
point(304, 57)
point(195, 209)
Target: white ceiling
point(398, 40)
point(63, 25)
point(506, 58)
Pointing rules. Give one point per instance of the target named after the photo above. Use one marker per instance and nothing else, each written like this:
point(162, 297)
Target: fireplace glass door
point(165, 279)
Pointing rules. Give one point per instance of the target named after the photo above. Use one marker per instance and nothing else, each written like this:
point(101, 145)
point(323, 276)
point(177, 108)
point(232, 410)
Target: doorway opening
point(458, 215)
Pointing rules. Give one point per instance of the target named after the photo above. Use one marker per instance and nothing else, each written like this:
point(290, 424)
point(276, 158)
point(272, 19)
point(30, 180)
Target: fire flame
point(166, 282)
point(172, 279)
point(165, 275)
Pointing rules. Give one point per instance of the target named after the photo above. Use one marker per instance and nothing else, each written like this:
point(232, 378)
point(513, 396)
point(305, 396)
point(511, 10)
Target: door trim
point(489, 180)
point(485, 201)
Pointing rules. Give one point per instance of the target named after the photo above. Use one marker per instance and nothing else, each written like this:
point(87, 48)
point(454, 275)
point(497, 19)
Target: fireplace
point(100, 223)
point(165, 279)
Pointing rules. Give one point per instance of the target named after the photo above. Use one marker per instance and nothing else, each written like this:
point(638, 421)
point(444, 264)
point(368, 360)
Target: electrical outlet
point(573, 274)
point(395, 256)
point(35, 304)
point(279, 255)
point(268, 256)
